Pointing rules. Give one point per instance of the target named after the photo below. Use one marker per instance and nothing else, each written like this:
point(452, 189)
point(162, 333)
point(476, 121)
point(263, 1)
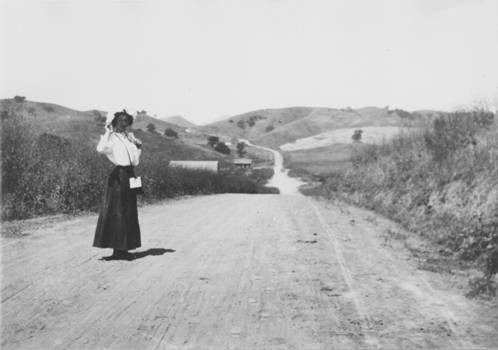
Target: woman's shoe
point(124, 255)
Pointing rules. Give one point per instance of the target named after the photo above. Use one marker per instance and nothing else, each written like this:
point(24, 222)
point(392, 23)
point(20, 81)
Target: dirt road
point(237, 272)
point(234, 272)
point(280, 179)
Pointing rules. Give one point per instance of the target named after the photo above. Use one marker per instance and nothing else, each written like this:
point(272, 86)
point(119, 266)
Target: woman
point(117, 226)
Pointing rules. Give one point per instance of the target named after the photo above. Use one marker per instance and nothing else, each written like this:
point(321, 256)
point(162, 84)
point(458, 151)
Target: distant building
point(244, 163)
point(210, 165)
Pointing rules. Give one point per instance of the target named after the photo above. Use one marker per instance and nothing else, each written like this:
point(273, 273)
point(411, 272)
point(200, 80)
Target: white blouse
point(118, 146)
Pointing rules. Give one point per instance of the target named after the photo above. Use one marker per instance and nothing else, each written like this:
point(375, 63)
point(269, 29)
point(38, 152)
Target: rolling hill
point(276, 127)
point(178, 120)
point(86, 127)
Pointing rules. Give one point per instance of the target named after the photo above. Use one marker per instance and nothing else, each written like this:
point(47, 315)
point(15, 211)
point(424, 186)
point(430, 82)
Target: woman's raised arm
point(104, 145)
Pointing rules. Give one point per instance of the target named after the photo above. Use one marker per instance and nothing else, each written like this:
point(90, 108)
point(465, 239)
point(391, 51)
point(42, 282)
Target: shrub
point(269, 128)
point(46, 173)
point(241, 149)
point(454, 131)
point(19, 99)
point(357, 135)
point(48, 108)
point(222, 148)
point(151, 128)
point(213, 140)
point(171, 133)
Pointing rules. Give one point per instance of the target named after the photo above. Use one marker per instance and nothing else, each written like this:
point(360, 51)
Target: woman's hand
point(137, 143)
point(134, 140)
point(108, 129)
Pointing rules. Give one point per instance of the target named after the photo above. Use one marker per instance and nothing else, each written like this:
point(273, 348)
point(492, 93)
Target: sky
point(207, 59)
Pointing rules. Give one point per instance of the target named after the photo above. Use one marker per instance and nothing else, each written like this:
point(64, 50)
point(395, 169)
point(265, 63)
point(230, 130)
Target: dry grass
point(441, 182)
point(370, 135)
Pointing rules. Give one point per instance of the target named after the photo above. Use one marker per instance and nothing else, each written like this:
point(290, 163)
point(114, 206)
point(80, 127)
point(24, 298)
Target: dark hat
point(128, 116)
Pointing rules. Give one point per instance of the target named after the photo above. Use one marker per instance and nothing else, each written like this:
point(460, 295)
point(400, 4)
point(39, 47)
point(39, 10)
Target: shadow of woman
point(152, 251)
point(138, 255)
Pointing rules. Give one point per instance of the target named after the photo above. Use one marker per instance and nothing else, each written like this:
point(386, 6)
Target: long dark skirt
point(117, 226)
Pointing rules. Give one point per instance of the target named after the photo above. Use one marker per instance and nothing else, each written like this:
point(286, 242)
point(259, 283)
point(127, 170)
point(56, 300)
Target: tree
point(151, 128)
point(222, 148)
point(357, 135)
point(170, 133)
point(213, 140)
point(241, 149)
point(241, 124)
point(19, 99)
point(269, 128)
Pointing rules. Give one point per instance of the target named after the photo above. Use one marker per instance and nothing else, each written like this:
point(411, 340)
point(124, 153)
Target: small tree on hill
point(241, 124)
point(357, 135)
point(213, 140)
point(151, 128)
point(19, 99)
point(170, 133)
point(241, 149)
point(222, 148)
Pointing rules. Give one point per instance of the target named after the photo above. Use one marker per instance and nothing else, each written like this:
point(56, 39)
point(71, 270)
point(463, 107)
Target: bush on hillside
point(241, 149)
point(222, 148)
point(19, 99)
point(151, 128)
point(357, 135)
point(454, 131)
point(48, 108)
point(213, 140)
point(170, 133)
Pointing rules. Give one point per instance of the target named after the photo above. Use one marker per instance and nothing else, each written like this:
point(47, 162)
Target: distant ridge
point(276, 127)
point(178, 120)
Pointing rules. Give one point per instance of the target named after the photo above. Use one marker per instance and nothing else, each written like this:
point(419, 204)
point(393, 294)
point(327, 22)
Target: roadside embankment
point(441, 183)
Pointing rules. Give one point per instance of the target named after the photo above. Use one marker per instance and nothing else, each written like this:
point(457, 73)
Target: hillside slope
point(275, 127)
point(179, 121)
point(86, 127)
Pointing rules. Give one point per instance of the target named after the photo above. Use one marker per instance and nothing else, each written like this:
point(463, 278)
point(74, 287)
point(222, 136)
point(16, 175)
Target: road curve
point(281, 178)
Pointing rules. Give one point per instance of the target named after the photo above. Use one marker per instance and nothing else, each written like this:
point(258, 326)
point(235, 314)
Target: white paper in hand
point(135, 182)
